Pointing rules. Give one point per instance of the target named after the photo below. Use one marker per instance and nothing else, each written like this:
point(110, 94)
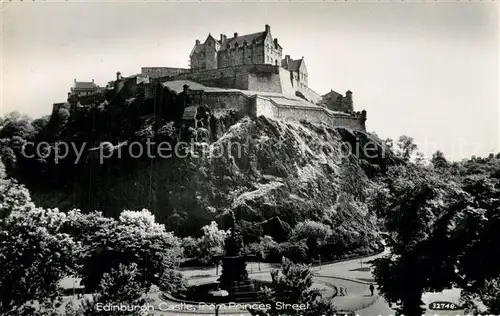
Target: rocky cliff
point(259, 168)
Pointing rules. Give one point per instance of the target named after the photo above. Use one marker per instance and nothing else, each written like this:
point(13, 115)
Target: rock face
point(265, 171)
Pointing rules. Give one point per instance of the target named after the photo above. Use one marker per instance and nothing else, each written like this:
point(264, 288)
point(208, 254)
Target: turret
point(348, 104)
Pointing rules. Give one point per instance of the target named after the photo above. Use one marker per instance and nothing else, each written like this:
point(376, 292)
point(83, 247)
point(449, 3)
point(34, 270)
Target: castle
point(246, 73)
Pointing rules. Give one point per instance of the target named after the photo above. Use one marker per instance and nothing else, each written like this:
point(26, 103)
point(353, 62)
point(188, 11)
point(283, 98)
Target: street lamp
point(219, 294)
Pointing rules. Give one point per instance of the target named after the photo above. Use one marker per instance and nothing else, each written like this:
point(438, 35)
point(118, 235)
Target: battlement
point(258, 103)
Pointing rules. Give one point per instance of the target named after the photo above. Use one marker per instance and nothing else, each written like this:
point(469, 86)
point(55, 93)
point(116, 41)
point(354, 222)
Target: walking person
point(372, 288)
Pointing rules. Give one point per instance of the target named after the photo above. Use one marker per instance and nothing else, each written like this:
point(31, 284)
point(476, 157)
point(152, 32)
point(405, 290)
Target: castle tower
point(119, 83)
point(211, 48)
point(348, 103)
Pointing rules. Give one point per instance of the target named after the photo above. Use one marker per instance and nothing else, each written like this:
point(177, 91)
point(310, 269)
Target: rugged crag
point(260, 168)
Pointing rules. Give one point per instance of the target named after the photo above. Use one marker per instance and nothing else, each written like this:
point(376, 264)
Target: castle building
point(82, 88)
point(336, 102)
point(247, 73)
point(256, 48)
point(298, 70)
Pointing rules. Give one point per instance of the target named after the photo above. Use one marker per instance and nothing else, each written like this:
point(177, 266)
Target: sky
point(429, 70)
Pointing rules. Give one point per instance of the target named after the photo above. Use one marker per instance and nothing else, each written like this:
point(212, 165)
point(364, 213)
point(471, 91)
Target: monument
point(234, 280)
point(234, 276)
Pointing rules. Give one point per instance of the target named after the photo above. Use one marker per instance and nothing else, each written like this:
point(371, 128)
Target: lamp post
point(219, 294)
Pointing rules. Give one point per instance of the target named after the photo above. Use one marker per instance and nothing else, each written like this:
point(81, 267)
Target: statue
point(232, 221)
point(234, 263)
point(233, 242)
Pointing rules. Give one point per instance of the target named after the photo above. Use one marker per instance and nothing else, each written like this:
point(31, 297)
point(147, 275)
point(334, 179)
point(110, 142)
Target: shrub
point(190, 247)
point(295, 251)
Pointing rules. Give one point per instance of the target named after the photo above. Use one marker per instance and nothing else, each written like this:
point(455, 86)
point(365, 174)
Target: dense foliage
point(118, 260)
point(443, 219)
point(291, 293)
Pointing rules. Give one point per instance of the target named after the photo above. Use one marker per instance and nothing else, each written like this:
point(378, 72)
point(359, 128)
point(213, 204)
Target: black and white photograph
point(249, 158)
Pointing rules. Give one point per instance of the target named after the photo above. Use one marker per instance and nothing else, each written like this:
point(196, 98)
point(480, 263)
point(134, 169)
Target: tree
point(293, 285)
point(212, 242)
point(17, 125)
point(270, 249)
point(313, 232)
point(13, 196)
point(40, 124)
point(389, 143)
point(442, 226)
point(34, 256)
point(419, 158)
point(121, 286)
point(420, 202)
point(488, 294)
point(134, 239)
point(439, 161)
point(406, 147)
point(190, 247)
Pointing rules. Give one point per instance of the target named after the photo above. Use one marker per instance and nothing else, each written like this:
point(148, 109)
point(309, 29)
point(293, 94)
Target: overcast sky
point(429, 70)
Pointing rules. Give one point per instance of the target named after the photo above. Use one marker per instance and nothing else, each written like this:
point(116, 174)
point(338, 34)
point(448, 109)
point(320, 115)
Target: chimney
point(287, 60)
point(276, 43)
point(197, 42)
point(268, 28)
point(235, 34)
point(92, 80)
point(75, 80)
point(223, 37)
point(118, 75)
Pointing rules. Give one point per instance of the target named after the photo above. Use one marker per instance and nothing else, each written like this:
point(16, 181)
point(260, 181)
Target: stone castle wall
point(349, 121)
point(286, 85)
point(226, 100)
point(310, 94)
point(254, 77)
point(264, 78)
point(159, 72)
point(259, 105)
point(229, 78)
point(262, 106)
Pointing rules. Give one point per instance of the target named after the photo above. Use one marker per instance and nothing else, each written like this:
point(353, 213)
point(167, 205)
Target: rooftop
point(243, 40)
point(240, 40)
point(291, 64)
point(83, 85)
